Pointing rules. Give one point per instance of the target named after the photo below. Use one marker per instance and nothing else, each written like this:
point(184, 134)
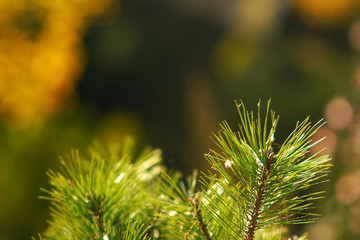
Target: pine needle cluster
point(249, 191)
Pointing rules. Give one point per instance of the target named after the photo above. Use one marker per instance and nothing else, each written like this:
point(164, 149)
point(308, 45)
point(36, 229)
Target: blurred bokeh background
point(166, 72)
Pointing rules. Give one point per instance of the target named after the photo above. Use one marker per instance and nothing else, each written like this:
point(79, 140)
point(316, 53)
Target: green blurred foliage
point(26, 155)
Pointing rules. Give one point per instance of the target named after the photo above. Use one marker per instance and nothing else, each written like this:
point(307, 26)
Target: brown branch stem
point(152, 224)
point(200, 221)
point(97, 214)
point(251, 228)
point(188, 232)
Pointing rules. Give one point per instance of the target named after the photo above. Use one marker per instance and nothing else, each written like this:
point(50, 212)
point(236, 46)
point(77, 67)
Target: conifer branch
point(198, 215)
point(250, 232)
point(97, 214)
point(252, 189)
point(188, 232)
point(104, 196)
point(152, 224)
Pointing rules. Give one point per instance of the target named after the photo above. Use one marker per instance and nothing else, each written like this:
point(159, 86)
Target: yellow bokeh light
point(339, 113)
point(232, 56)
point(328, 145)
point(348, 188)
point(41, 55)
point(324, 11)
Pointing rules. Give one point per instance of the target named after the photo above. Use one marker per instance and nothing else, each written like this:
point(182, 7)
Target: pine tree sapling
point(255, 187)
point(249, 193)
point(102, 197)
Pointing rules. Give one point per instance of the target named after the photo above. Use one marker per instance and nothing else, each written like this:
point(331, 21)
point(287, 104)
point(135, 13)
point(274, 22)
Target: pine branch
point(251, 190)
point(97, 214)
point(198, 215)
point(188, 232)
point(105, 196)
point(135, 231)
point(151, 227)
point(255, 187)
point(250, 232)
point(179, 208)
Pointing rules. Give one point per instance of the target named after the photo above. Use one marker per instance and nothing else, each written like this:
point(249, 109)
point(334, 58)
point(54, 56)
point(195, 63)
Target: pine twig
point(198, 215)
point(250, 232)
point(97, 212)
point(188, 232)
point(152, 224)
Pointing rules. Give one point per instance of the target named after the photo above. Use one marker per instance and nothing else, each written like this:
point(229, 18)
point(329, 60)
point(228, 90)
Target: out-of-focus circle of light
point(354, 218)
point(349, 151)
point(355, 127)
point(348, 188)
point(339, 113)
point(322, 230)
point(329, 143)
point(354, 35)
point(356, 77)
point(323, 11)
point(252, 21)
